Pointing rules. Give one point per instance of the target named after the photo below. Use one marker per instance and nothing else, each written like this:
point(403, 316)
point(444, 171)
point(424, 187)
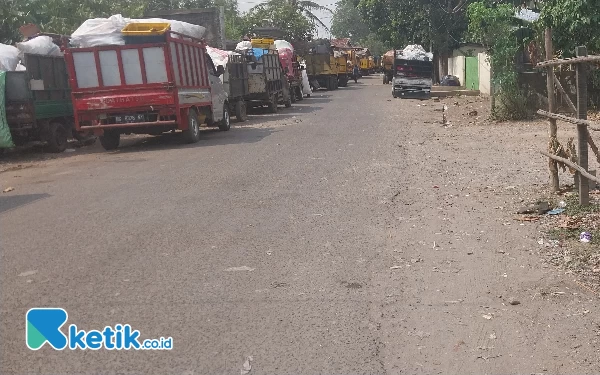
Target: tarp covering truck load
point(413, 69)
point(154, 87)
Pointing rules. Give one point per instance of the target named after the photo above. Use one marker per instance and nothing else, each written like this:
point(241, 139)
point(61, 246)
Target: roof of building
point(341, 43)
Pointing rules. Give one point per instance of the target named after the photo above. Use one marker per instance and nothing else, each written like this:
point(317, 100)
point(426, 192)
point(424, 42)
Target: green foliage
point(347, 22)
point(64, 16)
point(374, 44)
point(59, 16)
point(574, 23)
point(281, 14)
point(153, 5)
point(425, 22)
point(493, 27)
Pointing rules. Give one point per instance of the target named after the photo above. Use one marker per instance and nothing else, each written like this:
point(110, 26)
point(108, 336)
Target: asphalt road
point(310, 240)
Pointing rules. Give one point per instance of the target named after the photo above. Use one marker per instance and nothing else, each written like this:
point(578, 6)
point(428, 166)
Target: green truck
point(38, 102)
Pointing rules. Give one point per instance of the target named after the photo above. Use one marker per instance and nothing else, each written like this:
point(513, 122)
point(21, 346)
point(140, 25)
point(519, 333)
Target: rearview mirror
point(220, 70)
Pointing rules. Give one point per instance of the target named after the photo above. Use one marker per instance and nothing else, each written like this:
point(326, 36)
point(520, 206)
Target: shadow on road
point(245, 132)
point(8, 203)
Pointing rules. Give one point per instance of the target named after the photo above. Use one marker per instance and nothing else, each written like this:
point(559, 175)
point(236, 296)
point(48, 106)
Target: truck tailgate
point(112, 100)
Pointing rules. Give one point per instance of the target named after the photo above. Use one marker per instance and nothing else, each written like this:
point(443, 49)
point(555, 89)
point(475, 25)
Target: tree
point(233, 20)
point(59, 16)
point(494, 27)
point(280, 14)
point(574, 23)
point(154, 5)
point(303, 7)
point(437, 23)
point(374, 44)
point(347, 21)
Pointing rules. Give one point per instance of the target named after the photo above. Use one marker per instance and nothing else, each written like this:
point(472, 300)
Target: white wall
point(485, 77)
point(456, 67)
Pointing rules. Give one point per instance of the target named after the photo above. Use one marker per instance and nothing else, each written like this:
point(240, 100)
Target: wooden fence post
point(582, 131)
point(551, 108)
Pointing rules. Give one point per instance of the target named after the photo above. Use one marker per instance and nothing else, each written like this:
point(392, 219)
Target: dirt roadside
point(468, 288)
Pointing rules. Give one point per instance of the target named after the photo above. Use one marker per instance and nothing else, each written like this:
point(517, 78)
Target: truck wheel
point(192, 133)
point(225, 123)
point(394, 94)
point(299, 93)
point(110, 139)
point(384, 79)
point(240, 111)
point(57, 137)
point(273, 104)
point(288, 101)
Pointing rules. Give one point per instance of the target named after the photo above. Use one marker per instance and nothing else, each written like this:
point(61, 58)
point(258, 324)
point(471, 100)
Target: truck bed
point(41, 92)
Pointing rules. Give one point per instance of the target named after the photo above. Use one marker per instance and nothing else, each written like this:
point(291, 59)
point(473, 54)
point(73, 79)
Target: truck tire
point(299, 93)
point(192, 133)
point(110, 139)
point(240, 111)
point(394, 94)
point(57, 137)
point(273, 104)
point(384, 79)
point(225, 123)
point(288, 101)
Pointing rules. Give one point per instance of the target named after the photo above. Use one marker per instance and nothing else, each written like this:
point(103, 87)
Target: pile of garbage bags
point(414, 52)
point(10, 56)
point(107, 31)
point(286, 56)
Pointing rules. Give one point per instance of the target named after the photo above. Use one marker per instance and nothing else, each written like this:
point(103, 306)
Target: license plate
point(124, 119)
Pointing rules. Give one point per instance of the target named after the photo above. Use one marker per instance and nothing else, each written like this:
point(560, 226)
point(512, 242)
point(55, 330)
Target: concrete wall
point(485, 77)
point(456, 66)
point(211, 18)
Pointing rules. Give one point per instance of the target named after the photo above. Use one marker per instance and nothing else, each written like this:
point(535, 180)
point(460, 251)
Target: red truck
point(149, 88)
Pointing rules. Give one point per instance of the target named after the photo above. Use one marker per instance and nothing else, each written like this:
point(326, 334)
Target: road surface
point(350, 234)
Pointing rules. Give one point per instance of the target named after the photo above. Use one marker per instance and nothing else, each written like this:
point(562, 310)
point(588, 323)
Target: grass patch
point(563, 234)
point(574, 208)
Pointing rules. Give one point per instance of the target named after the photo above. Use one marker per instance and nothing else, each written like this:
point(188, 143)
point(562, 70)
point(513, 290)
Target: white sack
point(41, 45)
point(414, 52)
point(20, 68)
point(107, 31)
point(305, 84)
point(244, 45)
point(185, 28)
point(283, 44)
point(218, 56)
point(9, 57)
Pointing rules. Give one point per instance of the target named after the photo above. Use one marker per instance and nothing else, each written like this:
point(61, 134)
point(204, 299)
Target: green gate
point(471, 73)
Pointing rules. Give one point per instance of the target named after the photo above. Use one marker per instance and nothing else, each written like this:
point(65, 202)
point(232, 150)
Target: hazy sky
point(245, 5)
